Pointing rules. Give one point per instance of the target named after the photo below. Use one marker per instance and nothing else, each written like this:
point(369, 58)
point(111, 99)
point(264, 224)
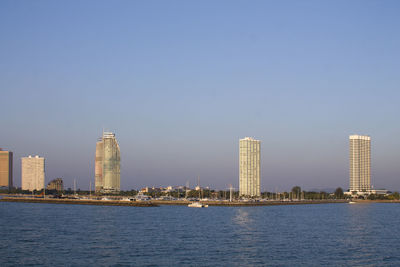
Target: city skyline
point(175, 79)
point(107, 166)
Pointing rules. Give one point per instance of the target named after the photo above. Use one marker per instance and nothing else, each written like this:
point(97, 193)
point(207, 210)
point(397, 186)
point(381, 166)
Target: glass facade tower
point(107, 164)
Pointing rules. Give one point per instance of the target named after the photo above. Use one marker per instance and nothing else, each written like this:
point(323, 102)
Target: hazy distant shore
point(155, 203)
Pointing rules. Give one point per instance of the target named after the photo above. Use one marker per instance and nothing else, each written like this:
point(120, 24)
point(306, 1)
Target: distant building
point(107, 164)
point(168, 189)
point(32, 173)
point(198, 187)
point(249, 167)
point(151, 189)
point(6, 168)
point(360, 163)
point(380, 192)
point(147, 190)
point(56, 184)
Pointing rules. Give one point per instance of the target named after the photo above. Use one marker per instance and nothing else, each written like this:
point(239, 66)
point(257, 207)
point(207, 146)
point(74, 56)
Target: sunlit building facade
point(107, 164)
point(360, 163)
point(56, 184)
point(6, 169)
point(32, 173)
point(249, 167)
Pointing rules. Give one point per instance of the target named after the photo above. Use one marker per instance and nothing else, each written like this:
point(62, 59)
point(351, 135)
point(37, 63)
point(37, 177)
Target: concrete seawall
point(81, 202)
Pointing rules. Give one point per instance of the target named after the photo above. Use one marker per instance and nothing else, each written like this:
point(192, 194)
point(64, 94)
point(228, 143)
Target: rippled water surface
point(308, 235)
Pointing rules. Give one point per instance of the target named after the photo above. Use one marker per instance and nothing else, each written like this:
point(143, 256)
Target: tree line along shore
point(204, 193)
point(155, 203)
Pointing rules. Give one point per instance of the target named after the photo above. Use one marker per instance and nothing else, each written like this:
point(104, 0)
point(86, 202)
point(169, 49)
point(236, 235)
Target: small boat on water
point(197, 205)
point(351, 202)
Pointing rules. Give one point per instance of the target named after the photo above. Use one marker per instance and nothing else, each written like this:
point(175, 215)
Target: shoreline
point(247, 204)
point(79, 202)
point(157, 203)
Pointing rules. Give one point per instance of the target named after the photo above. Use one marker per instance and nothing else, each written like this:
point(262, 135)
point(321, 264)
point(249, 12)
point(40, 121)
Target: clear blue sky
point(180, 82)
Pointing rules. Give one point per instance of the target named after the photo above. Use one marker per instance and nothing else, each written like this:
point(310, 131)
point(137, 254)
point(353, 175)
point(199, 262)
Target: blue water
point(308, 235)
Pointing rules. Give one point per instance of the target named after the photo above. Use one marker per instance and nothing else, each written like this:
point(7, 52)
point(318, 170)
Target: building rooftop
point(360, 137)
point(108, 135)
point(30, 156)
point(249, 138)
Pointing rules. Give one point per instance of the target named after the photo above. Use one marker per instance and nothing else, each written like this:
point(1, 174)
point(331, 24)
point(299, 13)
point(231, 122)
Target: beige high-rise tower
point(249, 167)
point(360, 163)
point(6, 168)
point(107, 164)
point(32, 173)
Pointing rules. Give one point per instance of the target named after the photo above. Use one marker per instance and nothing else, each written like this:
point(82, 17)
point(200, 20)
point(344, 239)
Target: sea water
point(300, 235)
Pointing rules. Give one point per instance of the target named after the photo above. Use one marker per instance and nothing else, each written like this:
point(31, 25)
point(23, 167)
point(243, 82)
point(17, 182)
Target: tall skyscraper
point(6, 168)
point(32, 173)
point(107, 164)
point(249, 167)
point(98, 165)
point(360, 163)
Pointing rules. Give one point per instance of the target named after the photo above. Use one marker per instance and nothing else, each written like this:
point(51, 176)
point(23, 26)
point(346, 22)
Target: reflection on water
point(244, 231)
point(242, 217)
point(310, 235)
point(359, 232)
point(369, 229)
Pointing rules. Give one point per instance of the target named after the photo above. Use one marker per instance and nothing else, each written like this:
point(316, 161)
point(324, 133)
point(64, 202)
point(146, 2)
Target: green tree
point(296, 191)
point(339, 193)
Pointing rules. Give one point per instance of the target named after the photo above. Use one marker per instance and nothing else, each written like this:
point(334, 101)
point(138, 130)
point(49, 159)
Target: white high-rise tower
point(249, 167)
point(360, 163)
point(32, 173)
